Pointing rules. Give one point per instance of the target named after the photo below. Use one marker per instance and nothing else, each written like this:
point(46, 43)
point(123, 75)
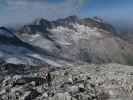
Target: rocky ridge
point(73, 82)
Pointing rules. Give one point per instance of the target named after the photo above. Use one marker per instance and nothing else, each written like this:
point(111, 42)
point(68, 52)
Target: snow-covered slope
point(78, 40)
point(13, 50)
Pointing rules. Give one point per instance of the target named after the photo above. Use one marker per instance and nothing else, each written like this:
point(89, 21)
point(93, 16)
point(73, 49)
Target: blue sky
point(22, 11)
point(109, 8)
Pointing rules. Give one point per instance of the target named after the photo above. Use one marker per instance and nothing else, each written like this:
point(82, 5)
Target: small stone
point(33, 83)
point(92, 85)
point(89, 78)
point(70, 81)
point(45, 95)
point(73, 89)
point(62, 96)
point(81, 88)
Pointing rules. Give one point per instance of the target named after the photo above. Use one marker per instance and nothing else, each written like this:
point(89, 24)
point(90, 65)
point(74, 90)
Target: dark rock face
point(32, 95)
point(38, 81)
point(11, 69)
point(102, 25)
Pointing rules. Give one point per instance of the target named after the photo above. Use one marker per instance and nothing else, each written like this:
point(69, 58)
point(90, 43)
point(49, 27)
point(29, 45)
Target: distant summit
point(41, 24)
point(71, 39)
point(78, 40)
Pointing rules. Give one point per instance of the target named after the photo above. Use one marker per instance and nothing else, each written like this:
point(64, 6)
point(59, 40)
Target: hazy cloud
point(18, 11)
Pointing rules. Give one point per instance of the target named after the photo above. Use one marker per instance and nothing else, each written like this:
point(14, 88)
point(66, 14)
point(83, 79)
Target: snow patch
point(65, 35)
point(46, 60)
point(15, 60)
point(33, 37)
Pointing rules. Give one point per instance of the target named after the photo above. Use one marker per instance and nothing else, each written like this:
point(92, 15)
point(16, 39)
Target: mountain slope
point(13, 50)
point(25, 57)
point(78, 40)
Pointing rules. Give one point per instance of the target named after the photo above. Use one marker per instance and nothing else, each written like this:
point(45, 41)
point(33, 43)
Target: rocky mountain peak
point(42, 25)
point(72, 19)
point(77, 39)
point(42, 22)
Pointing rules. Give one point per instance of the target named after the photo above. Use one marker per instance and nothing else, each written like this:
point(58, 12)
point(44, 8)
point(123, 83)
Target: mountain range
point(78, 40)
point(65, 59)
point(71, 39)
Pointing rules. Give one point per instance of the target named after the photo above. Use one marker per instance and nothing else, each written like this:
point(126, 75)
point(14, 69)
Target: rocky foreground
point(73, 82)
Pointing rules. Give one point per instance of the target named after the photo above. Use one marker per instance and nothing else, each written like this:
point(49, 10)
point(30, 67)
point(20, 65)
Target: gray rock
point(62, 96)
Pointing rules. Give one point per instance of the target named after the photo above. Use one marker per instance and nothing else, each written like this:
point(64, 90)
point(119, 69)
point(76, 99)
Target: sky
point(22, 11)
